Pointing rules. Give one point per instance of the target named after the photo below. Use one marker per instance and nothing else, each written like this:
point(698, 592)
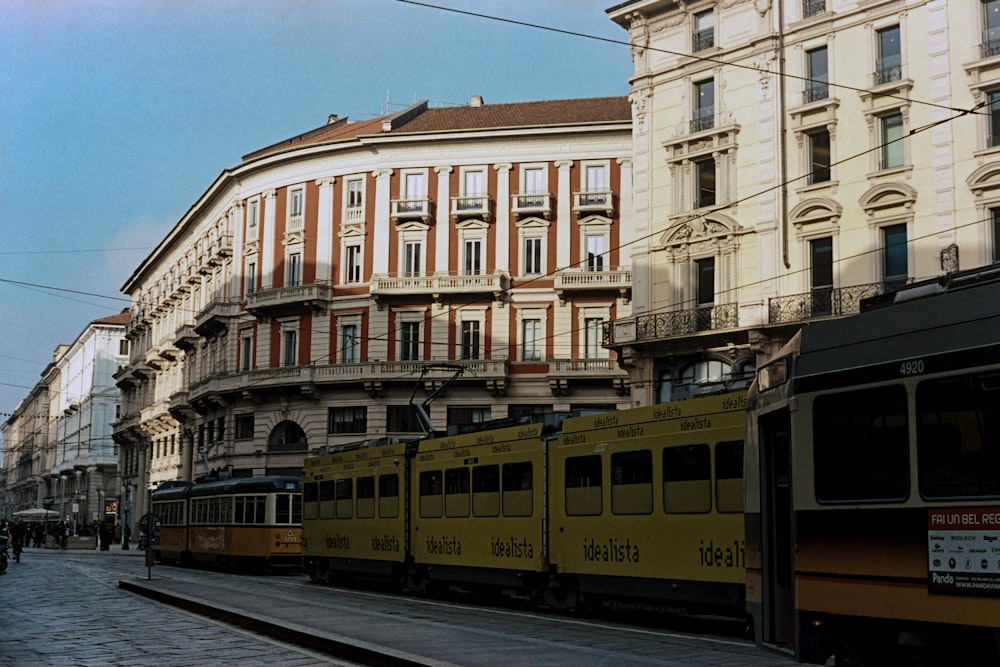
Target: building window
point(289, 347)
point(296, 206)
point(991, 28)
point(354, 201)
point(473, 198)
point(889, 66)
point(470, 340)
point(595, 252)
point(995, 213)
point(294, 269)
point(251, 277)
point(596, 192)
point(352, 264)
point(253, 218)
point(244, 427)
point(531, 340)
point(705, 295)
point(400, 419)
point(593, 332)
point(891, 133)
point(813, 8)
point(246, 351)
point(473, 259)
point(349, 344)
point(414, 193)
point(819, 156)
point(704, 169)
point(821, 272)
point(703, 113)
point(993, 118)
point(123, 347)
point(412, 251)
point(346, 420)
point(463, 415)
point(409, 341)
point(895, 259)
point(703, 36)
point(534, 184)
point(533, 257)
point(818, 73)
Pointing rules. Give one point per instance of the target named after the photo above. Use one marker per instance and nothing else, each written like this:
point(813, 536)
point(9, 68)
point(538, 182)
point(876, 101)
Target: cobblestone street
point(65, 608)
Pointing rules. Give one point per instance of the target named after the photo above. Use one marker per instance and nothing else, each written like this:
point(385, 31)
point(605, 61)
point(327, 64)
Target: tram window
point(430, 494)
point(310, 499)
point(958, 437)
point(687, 479)
point(249, 510)
point(345, 498)
point(366, 497)
point(632, 482)
point(388, 496)
point(327, 499)
point(296, 508)
point(226, 509)
point(729, 476)
point(583, 485)
point(517, 486)
point(456, 492)
point(486, 490)
point(860, 446)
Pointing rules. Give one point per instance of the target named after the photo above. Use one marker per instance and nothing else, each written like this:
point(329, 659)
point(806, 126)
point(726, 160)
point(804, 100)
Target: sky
point(116, 115)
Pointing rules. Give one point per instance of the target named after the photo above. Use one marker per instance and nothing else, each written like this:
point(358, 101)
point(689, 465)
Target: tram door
point(776, 517)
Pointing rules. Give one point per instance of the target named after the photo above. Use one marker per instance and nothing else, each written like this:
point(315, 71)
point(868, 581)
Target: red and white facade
point(324, 281)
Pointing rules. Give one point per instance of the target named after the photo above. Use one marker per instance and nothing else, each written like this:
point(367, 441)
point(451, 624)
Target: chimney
point(476, 101)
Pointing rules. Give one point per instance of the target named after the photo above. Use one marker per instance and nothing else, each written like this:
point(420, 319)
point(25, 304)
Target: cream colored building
point(788, 165)
point(323, 282)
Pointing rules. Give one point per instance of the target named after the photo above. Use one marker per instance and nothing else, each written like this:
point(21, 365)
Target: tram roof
point(956, 323)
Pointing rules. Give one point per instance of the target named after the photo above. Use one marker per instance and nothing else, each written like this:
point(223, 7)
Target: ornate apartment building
point(789, 164)
point(323, 283)
point(59, 454)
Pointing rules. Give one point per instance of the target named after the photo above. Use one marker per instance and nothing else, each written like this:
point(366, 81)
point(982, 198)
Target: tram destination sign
point(963, 551)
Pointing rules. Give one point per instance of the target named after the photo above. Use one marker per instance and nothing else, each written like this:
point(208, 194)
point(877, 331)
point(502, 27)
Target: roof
point(419, 118)
point(121, 318)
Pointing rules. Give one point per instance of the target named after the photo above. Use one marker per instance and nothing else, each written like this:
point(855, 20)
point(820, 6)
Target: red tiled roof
point(521, 114)
point(122, 318)
point(455, 119)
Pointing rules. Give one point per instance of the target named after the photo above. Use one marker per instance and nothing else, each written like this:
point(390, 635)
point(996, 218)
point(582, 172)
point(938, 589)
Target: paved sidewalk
point(65, 608)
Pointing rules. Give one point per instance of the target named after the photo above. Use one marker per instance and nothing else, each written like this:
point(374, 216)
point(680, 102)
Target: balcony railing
point(594, 202)
point(813, 7)
point(991, 43)
point(471, 205)
point(293, 298)
point(660, 326)
point(215, 316)
point(815, 91)
point(354, 214)
point(411, 208)
point(295, 223)
point(704, 119)
point(589, 281)
point(824, 302)
point(526, 203)
point(580, 368)
point(702, 39)
point(888, 70)
point(438, 284)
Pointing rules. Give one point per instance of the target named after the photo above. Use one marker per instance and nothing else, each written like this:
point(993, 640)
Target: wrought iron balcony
point(991, 44)
point(704, 119)
point(672, 324)
point(406, 209)
point(279, 301)
point(824, 302)
point(471, 206)
point(888, 70)
point(702, 39)
point(813, 8)
point(815, 91)
point(594, 202)
point(526, 203)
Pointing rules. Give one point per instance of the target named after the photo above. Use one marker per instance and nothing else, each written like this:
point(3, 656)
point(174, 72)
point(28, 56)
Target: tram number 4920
point(914, 367)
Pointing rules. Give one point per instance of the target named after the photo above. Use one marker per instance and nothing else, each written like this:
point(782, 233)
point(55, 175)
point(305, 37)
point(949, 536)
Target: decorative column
point(324, 230)
point(442, 232)
point(564, 199)
point(502, 253)
point(380, 237)
point(267, 241)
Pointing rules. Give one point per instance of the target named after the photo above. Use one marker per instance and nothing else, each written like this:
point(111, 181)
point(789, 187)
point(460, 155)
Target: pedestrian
point(126, 536)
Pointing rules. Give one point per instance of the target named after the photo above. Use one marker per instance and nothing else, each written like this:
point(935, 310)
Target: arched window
point(287, 437)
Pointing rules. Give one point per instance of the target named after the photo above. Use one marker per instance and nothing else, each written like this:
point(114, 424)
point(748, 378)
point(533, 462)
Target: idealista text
point(611, 551)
